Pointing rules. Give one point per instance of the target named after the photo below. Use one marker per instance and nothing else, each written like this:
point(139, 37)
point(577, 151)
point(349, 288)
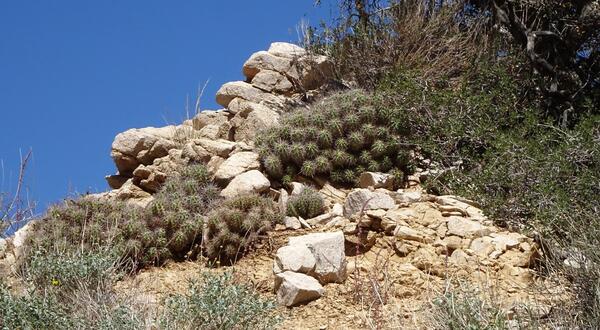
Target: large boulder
point(272, 82)
point(246, 183)
point(364, 199)
point(284, 49)
point(248, 124)
point(246, 91)
point(237, 164)
point(328, 251)
point(263, 60)
point(141, 146)
point(296, 288)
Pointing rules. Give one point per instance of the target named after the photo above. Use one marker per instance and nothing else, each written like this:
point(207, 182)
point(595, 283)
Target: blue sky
point(74, 73)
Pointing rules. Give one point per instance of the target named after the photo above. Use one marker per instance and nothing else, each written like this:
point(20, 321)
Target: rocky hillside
point(371, 256)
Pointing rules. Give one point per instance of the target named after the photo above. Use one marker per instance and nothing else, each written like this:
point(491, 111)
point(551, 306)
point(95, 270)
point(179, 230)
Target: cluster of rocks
point(276, 80)
point(436, 235)
point(307, 263)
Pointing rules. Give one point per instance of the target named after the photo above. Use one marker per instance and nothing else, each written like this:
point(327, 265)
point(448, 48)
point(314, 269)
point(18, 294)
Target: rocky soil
point(376, 256)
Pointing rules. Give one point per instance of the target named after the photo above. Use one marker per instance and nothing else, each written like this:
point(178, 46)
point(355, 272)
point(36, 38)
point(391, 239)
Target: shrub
point(32, 312)
point(168, 228)
point(341, 137)
point(215, 302)
point(232, 228)
point(308, 204)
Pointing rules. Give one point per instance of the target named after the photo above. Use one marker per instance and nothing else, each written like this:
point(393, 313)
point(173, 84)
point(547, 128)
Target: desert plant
point(307, 204)
point(169, 227)
point(233, 227)
point(214, 301)
point(349, 135)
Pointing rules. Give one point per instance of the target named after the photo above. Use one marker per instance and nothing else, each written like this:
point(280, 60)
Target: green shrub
point(32, 312)
point(215, 302)
point(308, 204)
point(169, 227)
point(338, 139)
point(232, 228)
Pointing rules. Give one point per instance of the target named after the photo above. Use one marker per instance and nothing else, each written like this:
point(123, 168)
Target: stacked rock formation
point(277, 79)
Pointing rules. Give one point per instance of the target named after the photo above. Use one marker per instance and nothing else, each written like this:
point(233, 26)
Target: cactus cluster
point(171, 226)
point(232, 228)
point(307, 204)
point(337, 139)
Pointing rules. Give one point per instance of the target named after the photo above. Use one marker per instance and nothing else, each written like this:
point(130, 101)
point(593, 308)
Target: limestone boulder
point(364, 199)
point(328, 251)
point(235, 165)
point(239, 89)
point(292, 223)
point(295, 288)
point(246, 183)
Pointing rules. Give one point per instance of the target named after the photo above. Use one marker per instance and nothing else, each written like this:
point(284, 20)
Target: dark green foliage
point(339, 138)
point(308, 204)
point(232, 228)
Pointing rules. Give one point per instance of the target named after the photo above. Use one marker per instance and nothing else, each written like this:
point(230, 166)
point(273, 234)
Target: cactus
point(308, 204)
point(337, 140)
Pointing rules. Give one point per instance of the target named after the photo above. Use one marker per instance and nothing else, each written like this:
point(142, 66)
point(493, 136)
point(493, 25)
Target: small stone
point(295, 288)
point(292, 223)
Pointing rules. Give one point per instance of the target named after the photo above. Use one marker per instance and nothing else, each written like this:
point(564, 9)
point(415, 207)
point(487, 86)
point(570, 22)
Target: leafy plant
point(216, 302)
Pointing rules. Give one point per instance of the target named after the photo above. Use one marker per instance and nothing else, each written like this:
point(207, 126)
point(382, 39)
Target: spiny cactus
point(337, 139)
point(308, 204)
point(232, 228)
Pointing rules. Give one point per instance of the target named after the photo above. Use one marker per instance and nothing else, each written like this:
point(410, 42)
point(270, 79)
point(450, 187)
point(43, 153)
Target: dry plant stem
point(14, 211)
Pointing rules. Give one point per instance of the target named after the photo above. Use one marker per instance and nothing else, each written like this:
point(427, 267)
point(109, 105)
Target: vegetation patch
point(307, 204)
point(338, 139)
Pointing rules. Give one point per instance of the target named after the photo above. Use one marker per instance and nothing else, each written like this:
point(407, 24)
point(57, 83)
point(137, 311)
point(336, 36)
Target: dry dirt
point(375, 277)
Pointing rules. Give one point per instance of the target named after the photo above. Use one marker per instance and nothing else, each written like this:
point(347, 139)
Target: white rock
point(409, 196)
point(255, 121)
point(266, 61)
point(409, 234)
point(304, 223)
point(365, 199)
point(284, 49)
point(297, 188)
point(249, 182)
point(466, 228)
point(219, 147)
point(237, 164)
point(329, 253)
point(297, 259)
point(246, 91)
point(376, 180)
point(296, 288)
point(292, 223)
point(283, 200)
point(272, 82)
point(320, 219)
point(337, 209)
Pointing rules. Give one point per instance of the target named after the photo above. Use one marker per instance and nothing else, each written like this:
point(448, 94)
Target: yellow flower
point(55, 282)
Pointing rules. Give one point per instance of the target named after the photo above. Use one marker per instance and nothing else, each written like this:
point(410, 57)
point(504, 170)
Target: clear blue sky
point(74, 73)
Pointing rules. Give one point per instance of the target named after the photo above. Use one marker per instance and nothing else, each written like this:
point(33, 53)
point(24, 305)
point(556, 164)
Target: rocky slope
point(374, 249)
